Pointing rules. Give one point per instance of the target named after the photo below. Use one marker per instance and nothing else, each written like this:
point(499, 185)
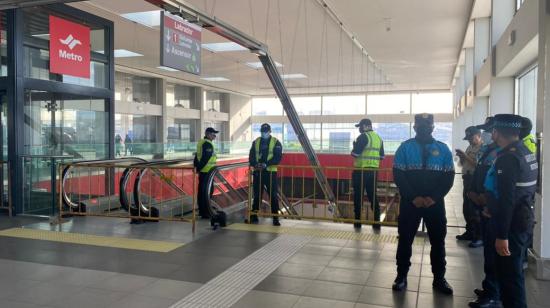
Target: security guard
point(468, 160)
point(424, 173)
point(368, 151)
point(205, 161)
point(489, 295)
point(265, 154)
point(511, 183)
point(525, 134)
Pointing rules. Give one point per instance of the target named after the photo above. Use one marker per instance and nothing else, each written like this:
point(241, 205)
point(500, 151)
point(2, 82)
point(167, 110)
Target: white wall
point(240, 112)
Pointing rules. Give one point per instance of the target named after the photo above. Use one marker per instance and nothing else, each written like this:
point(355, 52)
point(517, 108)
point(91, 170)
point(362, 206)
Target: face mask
point(486, 137)
point(424, 131)
point(265, 135)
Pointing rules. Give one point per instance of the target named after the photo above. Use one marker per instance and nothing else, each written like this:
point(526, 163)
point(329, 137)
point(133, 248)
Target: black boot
point(276, 222)
point(254, 219)
point(357, 225)
point(441, 285)
point(466, 236)
point(400, 283)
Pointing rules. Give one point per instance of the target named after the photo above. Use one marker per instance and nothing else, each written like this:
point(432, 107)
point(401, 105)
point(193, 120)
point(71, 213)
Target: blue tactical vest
point(527, 182)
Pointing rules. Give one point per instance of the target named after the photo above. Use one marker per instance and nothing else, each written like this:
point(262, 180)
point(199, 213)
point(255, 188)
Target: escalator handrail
point(66, 200)
point(210, 182)
point(143, 169)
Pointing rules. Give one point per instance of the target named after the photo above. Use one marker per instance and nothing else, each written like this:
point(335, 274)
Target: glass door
point(58, 128)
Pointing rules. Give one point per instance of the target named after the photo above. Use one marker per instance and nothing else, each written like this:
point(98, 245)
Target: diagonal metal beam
point(192, 14)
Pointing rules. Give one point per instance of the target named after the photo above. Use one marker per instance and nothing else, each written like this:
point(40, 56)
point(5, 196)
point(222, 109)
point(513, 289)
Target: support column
point(162, 135)
point(503, 12)
point(502, 95)
point(481, 42)
point(541, 240)
point(468, 67)
point(200, 97)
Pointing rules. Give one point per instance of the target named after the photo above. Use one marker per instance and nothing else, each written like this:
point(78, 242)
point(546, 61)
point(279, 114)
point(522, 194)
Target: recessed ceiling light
point(293, 76)
point(258, 65)
point(123, 53)
point(148, 18)
point(167, 69)
point(215, 79)
point(221, 47)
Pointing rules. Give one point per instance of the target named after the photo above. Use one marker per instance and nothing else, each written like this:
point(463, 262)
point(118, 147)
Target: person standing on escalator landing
point(265, 154)
point(204, 162)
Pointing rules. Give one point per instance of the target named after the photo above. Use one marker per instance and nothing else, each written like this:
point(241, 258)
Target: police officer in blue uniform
point(424, 173)
point(511, 183)
point(489, 295)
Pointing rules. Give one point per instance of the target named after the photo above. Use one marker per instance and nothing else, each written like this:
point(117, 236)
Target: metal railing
point(304, 198)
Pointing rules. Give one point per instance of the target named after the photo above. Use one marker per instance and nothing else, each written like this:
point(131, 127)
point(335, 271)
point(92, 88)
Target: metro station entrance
point(50, 115)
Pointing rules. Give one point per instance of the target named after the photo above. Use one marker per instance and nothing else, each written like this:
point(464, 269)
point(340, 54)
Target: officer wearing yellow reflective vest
point(525, 134)
point(204, 162)
point(265, 154)
point(368, 151)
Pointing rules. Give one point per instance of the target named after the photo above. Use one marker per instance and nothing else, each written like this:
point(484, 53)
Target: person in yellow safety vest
point(368, 151)
point(265, 154)
point(529, 140)
point(204, 162)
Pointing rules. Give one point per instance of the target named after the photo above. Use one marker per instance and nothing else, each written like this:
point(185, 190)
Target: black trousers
point(408, 223)
point(510, 271)
point(365, 181)
point(469, 210)
point(265, 180)
point(202, 196)
point(490, 282)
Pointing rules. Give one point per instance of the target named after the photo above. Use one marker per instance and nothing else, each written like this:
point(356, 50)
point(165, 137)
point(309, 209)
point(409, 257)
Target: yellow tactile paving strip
point(94, 240)
point(323, 233)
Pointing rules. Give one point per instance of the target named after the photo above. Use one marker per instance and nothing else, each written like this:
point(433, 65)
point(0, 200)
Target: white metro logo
point(70, 42)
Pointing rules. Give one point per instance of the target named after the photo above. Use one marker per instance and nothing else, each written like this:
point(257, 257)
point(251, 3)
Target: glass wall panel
point(432, 102)
point(268, 106)
point(3, 44)
point(338, 137)
point(527, 95)
point(388, 103)
point(392, 134)
point(215, 101)
point(307, 105)
point(135, 89)
point(443, 132)
point(180, 96)
point(291, 142)
point(351, 104)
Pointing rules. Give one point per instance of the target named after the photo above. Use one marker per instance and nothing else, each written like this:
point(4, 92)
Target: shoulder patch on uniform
point(435, 152)
point(513, 149)
point(530, 157)
point(499, 171)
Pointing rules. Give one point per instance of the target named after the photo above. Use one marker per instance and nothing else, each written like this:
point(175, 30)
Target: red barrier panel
point(330, 160)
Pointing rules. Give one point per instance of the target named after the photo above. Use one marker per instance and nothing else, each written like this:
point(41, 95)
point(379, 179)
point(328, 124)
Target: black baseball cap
point(471, 131)
point(366, 122)
point(508, 121)
point(211, 130)
point(265, 128)
point(424, 119)
point(488, 125)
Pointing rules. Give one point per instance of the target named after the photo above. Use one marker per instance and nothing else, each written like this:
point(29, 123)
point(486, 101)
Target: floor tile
point(387, 297)
point(255, 298)
point(281, 284)
point(124, 283)
point(353, 276)
point(334, 290)
point(90, 298)
point(352, 263)
point(172, 289)
point(299, 270)
point(139, 301)
point(385, 280)
point(312, 302)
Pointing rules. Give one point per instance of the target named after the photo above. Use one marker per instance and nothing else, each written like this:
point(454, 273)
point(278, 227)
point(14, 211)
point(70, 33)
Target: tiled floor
point(323, 273)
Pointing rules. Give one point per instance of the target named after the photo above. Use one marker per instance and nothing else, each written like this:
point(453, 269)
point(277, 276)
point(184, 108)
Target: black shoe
point(400, 283)
point(442, 286)
point(376, 227)
point(466, 236)
point(485, 303)
point(479, 292)
point(276, 222)
point(357, 225)
point(475, 244)
point(254, 219)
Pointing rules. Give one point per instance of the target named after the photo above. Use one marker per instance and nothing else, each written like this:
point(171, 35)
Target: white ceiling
point(419, 53)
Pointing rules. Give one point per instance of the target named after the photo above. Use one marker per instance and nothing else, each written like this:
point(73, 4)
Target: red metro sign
point(69, 48)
